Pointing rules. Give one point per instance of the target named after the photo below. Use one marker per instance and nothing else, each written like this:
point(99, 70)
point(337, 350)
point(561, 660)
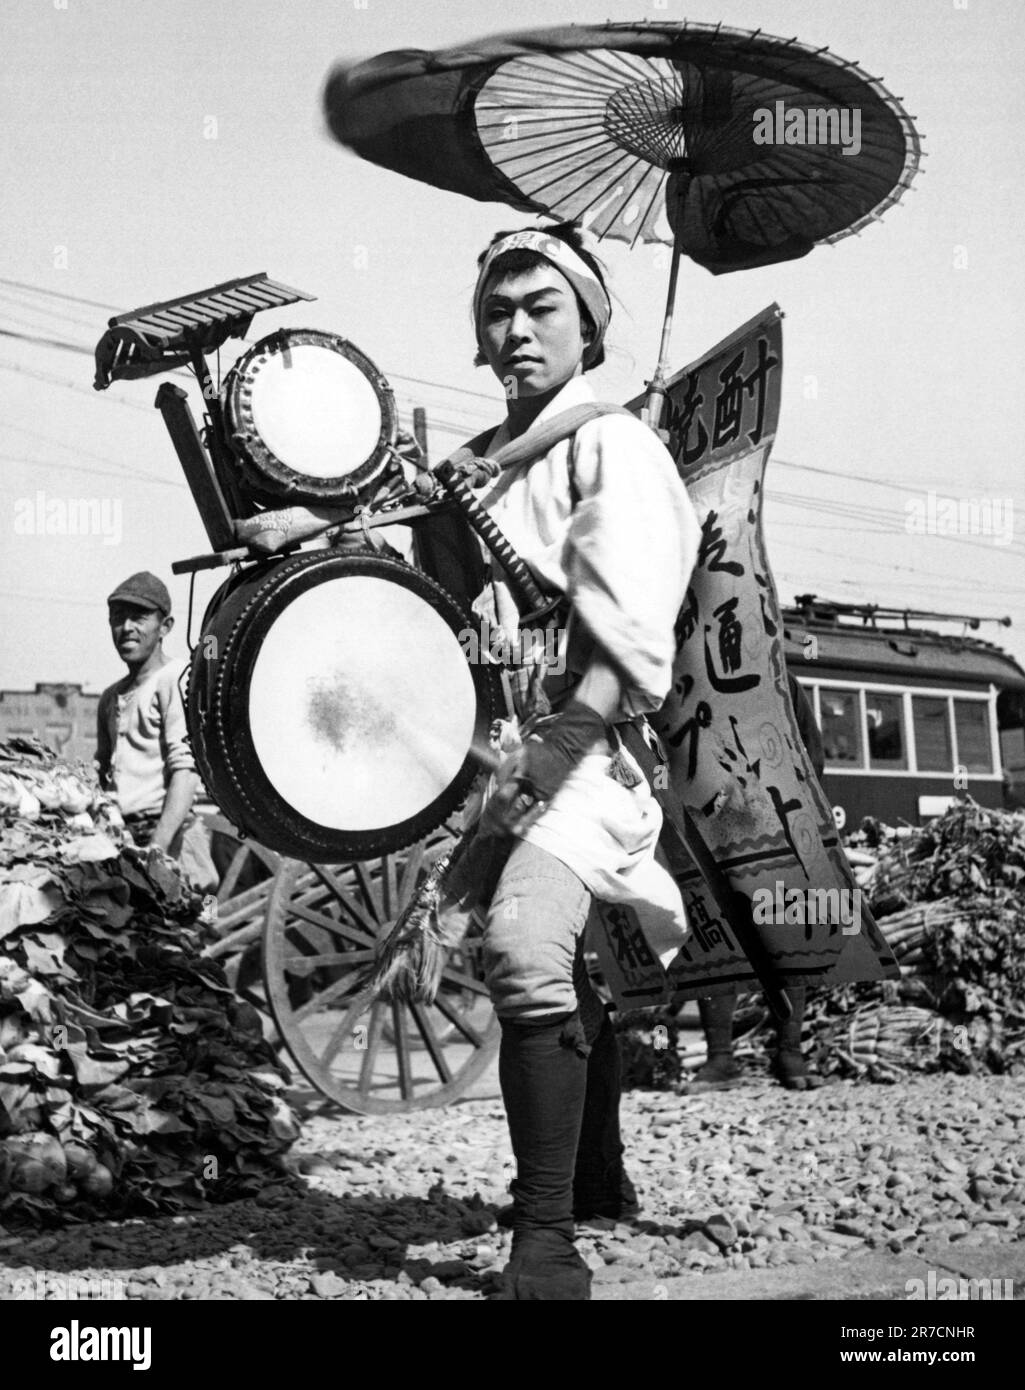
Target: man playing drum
point(603, 519)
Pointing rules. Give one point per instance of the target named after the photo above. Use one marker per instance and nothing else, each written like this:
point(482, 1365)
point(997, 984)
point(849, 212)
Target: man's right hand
point(513, 806)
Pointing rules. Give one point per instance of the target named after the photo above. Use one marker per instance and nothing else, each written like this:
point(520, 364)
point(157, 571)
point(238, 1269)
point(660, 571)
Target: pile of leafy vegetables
point(967, 851)
point(954, 890)
point(132, 1079)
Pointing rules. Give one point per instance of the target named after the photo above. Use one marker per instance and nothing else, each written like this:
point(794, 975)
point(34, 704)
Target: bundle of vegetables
point(970, 849)
point(132, 1079)
point(974, 969)
point(883, 1041)
point(949, 897)
point(908, 931)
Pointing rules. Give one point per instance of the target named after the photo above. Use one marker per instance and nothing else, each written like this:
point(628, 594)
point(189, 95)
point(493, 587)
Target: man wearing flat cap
point(142, 749)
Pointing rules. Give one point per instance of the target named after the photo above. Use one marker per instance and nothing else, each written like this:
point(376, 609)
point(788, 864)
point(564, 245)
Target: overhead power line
point(894, 522)
point(897, 569)
point(836, 477)
point(92, 469)
point(73, 386)
point(51, 598)
point(46, 342)
point(44, 309)
point(493, 401)
point(443, 386)
point(59, 294)
point(74, 448)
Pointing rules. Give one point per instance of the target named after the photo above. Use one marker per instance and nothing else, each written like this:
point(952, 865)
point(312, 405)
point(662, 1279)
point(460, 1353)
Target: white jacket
point(623, 555)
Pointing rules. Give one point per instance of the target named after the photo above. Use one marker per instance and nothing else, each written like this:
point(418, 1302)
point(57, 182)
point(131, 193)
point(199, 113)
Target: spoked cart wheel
point(372, 1058)
point(247, 871)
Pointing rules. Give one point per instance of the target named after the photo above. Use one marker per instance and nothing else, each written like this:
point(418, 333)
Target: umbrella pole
point(655, 399)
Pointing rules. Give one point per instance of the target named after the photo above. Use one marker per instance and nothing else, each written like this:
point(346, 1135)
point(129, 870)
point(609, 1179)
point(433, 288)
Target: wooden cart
point(295, 937)
point(294, 940)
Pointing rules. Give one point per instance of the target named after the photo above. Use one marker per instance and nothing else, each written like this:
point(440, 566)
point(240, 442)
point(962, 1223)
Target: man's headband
point(588, 287)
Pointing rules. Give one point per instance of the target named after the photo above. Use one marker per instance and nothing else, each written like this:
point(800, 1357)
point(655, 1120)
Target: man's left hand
point(156, 854)
point(531, 777)
point(512, 806)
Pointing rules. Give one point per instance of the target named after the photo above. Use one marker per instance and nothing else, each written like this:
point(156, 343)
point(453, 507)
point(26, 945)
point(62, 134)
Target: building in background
point(58, 713)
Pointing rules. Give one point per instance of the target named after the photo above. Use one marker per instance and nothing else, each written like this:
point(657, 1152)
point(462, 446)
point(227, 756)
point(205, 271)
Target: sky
point(156, 147)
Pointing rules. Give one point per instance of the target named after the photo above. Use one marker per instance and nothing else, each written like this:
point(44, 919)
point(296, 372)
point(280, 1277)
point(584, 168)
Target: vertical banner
point(733, 756)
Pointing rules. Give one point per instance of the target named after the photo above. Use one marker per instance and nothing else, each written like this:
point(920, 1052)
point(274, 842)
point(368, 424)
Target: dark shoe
point(615, 1200)
point(788, 1066)
point(721, 1072)
point(545, 1267)
point(791, 1070)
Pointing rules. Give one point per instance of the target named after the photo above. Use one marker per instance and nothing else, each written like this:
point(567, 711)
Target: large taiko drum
point(332, 705)
point(309, 418)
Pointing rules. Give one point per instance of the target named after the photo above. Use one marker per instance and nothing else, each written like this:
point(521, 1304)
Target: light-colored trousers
point(534, 943)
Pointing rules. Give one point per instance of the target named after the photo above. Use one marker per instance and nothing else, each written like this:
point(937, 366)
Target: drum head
point(344, 706)
point(310, 417)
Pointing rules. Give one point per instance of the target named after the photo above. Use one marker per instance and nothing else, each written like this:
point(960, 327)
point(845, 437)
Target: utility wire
point(15, 319)
point(49, 598)
point(894, 522)
point(52, 311)
point(73, 386)
point(58, 294)
point(893, 568)
point(496, 401)
point(46, 342)
point(493, 401)
point(89, 468)
point(863, 512)
point(846, 477)
point(75, 449)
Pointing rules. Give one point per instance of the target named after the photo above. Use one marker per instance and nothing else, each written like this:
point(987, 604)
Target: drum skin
point(331, 705)
point(309, 418)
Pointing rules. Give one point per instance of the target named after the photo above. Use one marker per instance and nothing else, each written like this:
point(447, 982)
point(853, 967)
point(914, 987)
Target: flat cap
point(143, 589)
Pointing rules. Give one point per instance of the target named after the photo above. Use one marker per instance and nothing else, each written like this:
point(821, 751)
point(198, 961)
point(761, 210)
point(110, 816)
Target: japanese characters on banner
point(733, 753)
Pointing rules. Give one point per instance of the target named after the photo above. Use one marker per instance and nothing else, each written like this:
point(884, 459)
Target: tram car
point(911, 718)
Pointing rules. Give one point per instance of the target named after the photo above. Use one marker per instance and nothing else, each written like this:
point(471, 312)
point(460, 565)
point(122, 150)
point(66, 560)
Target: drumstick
point(419, 739)
point(485, 757)
point(423, 743)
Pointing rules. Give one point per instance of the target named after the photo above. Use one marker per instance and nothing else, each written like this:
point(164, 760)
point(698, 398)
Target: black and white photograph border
point(189, 215)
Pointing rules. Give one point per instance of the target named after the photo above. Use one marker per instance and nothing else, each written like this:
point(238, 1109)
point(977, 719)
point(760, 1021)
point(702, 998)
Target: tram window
point(886, 745)
point(932, 733)
point(841, 731)
point(971, 723)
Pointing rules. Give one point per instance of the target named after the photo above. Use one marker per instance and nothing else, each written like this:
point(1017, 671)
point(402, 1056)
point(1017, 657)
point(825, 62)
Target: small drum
point(332, 705)
point(310, 418)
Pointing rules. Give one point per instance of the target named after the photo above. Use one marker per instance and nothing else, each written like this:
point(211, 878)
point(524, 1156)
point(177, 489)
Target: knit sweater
point(141, 739)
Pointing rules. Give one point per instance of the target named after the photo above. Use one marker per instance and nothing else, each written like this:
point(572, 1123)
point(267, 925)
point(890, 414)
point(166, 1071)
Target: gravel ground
point(402, 1207)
